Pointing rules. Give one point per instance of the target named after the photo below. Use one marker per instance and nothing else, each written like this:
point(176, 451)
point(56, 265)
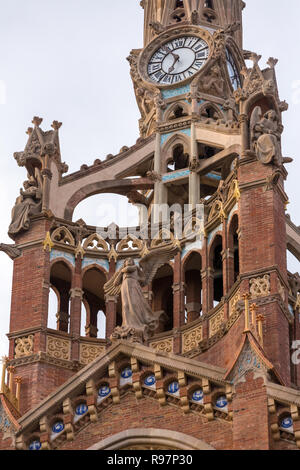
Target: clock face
point(178, 60)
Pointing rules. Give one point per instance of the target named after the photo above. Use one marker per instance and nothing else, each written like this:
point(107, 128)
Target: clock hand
point(176, 59)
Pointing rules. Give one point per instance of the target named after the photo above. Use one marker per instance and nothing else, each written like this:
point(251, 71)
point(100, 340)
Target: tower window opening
point(179, 4)
point(209, 4)
point(178, 15)
point(206, 151)
point(180, 159)
point(217, 265)
point(178, 113)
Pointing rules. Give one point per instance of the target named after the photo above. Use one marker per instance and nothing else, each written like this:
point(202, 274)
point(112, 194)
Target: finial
point(56, 125)
point(253, 310)
point(272, 62)
point(260, 321)
point(246, 298)
point(29, 130)
point(37, 121)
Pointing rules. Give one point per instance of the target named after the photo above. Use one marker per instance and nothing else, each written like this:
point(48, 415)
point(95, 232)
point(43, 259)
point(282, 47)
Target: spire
point(163, 14)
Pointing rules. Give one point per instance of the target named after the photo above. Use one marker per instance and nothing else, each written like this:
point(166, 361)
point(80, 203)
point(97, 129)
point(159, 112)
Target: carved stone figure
point(213, 83)
point(265, 136)
point(29, 203)
point(11, 250)
point(138, 320)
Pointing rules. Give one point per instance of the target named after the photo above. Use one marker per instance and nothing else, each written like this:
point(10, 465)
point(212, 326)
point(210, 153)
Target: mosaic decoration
point(81, 409)
point(175, 175)
point(213, 233)
point(100, 262)
point(126, 373)
point(58, 427)
point(165, 137)
point(221, 403)
point(5, 425)
point(233, 210)
point(35, 445)
point(213, 176)
point(150, 381)
point(173, 388)
point(104, 391)
point(287, 424)
point(198, 396)
point(55, 254)
point(176, 92)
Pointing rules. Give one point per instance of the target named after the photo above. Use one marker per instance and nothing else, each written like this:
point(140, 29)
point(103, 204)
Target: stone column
point(111, 304)
point(194, 178)
point(244, 121)
point(76, 294)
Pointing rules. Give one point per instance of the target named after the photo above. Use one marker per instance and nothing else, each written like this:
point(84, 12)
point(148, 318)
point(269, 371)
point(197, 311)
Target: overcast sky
point(65, 60)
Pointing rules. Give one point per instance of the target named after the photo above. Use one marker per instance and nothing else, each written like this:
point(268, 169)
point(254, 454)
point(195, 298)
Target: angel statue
point(138, 320)
point(265, 136)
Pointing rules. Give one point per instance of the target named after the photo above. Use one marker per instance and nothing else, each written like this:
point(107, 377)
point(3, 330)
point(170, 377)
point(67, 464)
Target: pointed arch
point(170, 112)
point(167, 151)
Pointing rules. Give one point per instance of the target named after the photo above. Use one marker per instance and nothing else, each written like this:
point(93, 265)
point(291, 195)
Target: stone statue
point(27, 204)
point(265, 136)
point(11, 250)
point(138, 320)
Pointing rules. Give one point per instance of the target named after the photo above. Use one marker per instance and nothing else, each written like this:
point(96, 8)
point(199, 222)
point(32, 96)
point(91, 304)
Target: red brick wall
point(38, 381)
point(147, 413)
point(250, 415)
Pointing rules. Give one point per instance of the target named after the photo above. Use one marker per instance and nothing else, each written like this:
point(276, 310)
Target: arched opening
point(216, 264)
point(151, 439)
point(103, 209)
point(53, 308)
point(234, 259)
point(193, 287)
point(163, 297)
point(94, 302)
point(61, 281)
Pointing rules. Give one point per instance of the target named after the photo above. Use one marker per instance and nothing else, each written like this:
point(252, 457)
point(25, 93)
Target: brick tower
point(221, 370)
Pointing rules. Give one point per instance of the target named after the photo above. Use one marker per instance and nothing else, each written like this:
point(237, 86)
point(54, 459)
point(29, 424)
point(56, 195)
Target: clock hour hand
point(176, 59)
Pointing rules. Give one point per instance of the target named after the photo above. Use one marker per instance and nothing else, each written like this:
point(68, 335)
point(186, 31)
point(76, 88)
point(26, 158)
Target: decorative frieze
point(233, 303)
point(260, 286)
point(59, 348)
point(24, 346)
point(191, 339)
point(165, 345)
point(89, 352)
point(216, 322)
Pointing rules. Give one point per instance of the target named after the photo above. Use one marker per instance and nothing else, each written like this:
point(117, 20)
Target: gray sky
point(66, 60)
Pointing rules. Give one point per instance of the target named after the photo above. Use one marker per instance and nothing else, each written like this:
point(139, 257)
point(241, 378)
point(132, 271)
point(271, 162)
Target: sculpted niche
point(138, 320)
point(29, 203)
point(265, 136)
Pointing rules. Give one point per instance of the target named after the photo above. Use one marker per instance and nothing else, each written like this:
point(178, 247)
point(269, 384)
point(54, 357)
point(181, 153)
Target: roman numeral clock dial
point(178, 60)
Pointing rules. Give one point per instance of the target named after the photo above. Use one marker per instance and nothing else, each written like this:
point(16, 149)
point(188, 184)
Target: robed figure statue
point(138, 320)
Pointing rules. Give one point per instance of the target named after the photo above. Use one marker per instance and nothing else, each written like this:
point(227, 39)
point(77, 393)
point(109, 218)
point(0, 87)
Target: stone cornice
point(283, 394)
point(144, 354)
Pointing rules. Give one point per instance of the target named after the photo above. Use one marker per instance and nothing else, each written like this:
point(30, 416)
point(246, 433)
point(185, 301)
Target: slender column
point(243, 120)
point(75, 311)
point(194, 178)
point(111, 304)
point(157, 184)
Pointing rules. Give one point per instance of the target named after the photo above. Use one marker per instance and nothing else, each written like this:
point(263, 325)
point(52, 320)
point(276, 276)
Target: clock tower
point(220, 368)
